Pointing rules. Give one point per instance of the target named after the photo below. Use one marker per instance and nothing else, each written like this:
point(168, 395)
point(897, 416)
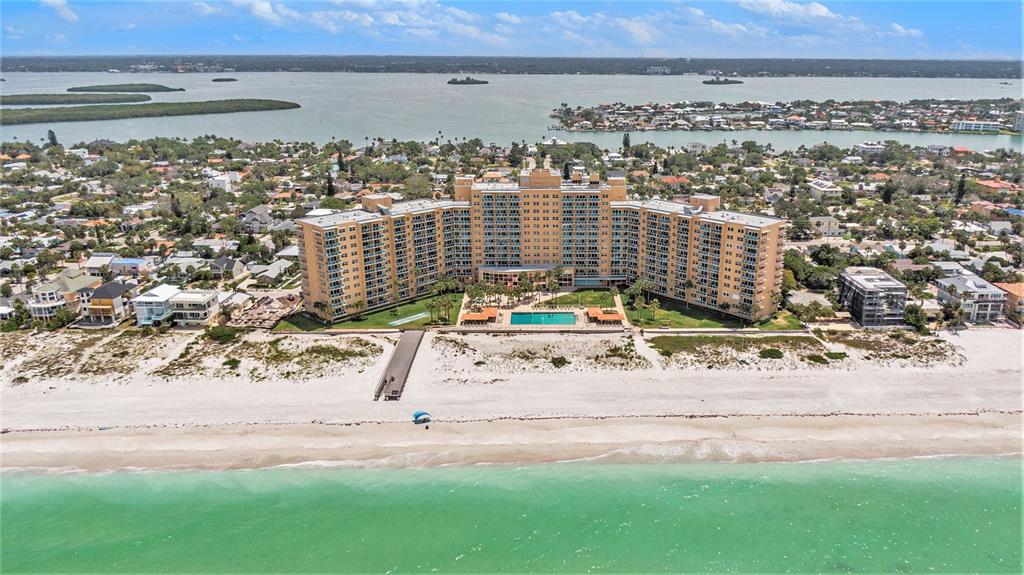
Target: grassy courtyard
point(586, 298)
point(677, 315)
point(376, 319)
point(783, 320)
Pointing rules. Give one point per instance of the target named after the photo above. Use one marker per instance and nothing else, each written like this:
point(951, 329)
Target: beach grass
point(673, 344)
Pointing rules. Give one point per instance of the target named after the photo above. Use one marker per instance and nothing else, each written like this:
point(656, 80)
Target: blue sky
point(728, 28)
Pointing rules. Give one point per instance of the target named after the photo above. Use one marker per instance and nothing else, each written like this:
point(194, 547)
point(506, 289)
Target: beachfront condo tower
point(497, 229)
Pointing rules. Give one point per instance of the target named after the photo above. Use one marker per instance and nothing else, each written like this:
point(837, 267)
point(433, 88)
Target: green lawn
point(783, 320)
point(586, 298)
point(372, 320)
point(298, 322)
point(380, 319)
point(677, 315)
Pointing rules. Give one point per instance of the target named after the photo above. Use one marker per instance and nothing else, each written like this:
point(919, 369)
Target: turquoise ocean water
point(934, 515)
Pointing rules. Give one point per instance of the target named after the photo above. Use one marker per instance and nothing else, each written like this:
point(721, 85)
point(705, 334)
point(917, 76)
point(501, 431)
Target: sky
point(923, 29)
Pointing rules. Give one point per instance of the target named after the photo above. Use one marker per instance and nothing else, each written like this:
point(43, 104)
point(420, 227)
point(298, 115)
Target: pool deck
point(503, 323)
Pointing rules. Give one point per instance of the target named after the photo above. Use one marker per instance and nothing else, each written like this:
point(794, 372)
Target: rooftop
point(194, 296)
point(871, 278)
point(160, 293)
point(751, 220)
point(969, 283)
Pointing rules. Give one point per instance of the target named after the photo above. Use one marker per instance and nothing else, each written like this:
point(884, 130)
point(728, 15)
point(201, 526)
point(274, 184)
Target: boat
point(467, 81)
point(720, 81)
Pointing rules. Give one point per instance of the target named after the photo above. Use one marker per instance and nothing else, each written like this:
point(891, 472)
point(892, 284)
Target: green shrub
point(835, 355)
point(479, 362)
point(559, 361)
point(770, 353)
point(232, 363)
point(816, 359)
point(222, 334)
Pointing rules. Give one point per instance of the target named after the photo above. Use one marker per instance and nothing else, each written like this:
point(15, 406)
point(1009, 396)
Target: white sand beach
point(498, 398)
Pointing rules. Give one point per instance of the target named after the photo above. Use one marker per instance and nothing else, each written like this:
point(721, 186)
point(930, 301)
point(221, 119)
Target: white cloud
point(56, 38)
point(736, 29)
point(571, 36)
point(286, 12)
point(364, 4)
point(459, 14)
point(903, 32)
point(12, 33)
point(124, 27)
point(331, 20)
point(264, 10)
point(475, 33)
point(639, 29)
point(422, 33)
point(204, 9)
point(789, 10)
point(695, 12)
point(573, 18)
point(508, 18)
point(61, 8)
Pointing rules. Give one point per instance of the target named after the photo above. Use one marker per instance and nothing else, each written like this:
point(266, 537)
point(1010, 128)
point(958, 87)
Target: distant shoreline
point(462, 65)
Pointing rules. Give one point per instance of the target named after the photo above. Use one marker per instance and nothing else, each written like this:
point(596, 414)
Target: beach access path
point(392, 381)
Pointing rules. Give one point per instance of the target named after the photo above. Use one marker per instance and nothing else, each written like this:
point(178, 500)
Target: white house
point(167, 304)
point(824, 189)
point(980, 300)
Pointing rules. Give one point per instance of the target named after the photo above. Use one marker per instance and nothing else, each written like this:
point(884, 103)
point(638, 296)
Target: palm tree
point(612, 292)
point(475, 292)
point(639, 289)
point(653, 307)
point(357, 309)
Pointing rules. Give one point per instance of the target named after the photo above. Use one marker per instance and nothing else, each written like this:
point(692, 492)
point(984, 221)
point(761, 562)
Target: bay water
point(360, 107)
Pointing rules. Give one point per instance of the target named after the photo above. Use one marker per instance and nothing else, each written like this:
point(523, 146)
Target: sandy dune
point(853, 408)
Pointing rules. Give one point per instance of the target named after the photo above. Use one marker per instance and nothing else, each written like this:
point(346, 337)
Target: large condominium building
point(872, 296)
point(975, 126)
point(497, 229)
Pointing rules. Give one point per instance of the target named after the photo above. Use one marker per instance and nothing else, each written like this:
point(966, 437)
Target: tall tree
point(625, 144)
point(51, 137)
point(961, 190)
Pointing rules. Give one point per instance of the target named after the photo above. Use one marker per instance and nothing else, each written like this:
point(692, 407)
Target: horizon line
point(658, 58)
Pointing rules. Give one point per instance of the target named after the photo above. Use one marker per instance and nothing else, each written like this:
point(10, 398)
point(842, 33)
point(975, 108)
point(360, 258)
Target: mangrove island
point(126, 111)
point(125, 88)
point(70, 99)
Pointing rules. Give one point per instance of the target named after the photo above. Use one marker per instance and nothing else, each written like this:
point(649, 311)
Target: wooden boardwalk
point(392, 382)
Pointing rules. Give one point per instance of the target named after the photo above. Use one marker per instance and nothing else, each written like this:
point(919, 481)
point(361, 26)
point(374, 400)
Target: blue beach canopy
point(421, 417)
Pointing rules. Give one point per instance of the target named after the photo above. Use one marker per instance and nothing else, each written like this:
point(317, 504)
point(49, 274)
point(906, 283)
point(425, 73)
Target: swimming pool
point(543, 318)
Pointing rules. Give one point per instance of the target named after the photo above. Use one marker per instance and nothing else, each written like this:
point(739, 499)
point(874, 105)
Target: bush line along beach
point(119, 112)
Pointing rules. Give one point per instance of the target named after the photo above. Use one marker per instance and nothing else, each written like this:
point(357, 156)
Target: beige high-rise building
point(495, 229)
